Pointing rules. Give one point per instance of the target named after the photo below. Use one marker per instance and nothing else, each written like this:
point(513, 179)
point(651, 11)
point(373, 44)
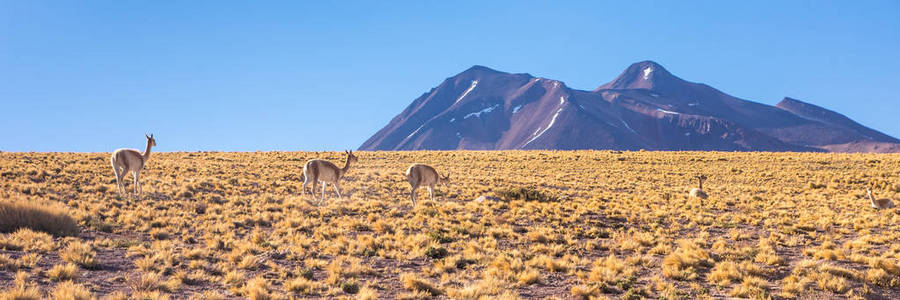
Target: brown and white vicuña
point(317, 170)
point(130, 160)
point(420, 175)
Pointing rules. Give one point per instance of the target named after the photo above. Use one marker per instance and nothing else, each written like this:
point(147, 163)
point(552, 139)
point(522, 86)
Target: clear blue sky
point(325, 75)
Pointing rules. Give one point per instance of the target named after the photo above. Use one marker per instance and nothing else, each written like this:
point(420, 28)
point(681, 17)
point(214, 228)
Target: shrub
point(525, 193)
point(22, 293)
point(303, 285)
point(584, 292)
point(147, 282)
point(751, 286)
point(8, 263)
point(79, 253)
point(32, 241)
point(530, 276)
point(257, 289)
point(724, 273)
point(683, 263)
point(22, 290)
point(436, 253)
point(70, 291)
point(350, 287)
point(47, 216)
point(413, 283)
point(63, 272)
point(367, 293)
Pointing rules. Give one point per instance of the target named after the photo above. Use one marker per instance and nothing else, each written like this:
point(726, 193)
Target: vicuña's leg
point(305, 183)
point(337, 189)
point(118, 179)
point(412, 194)
point(324, 185)
point(134, 174)
point(137, 182)
point(431, 192)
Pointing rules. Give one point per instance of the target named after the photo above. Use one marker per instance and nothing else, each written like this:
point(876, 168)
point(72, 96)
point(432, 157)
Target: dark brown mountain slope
point(645, 107)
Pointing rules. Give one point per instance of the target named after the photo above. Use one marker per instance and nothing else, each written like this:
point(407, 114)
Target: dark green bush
point(525, 193)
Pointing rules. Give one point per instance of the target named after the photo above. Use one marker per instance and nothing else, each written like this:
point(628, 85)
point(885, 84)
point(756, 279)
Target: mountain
point(645, 107)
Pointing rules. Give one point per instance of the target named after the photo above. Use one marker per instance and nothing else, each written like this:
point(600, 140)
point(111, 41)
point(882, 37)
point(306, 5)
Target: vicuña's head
point(350, 156)
point(701, 178)
point(445, 180)
point(150, 140)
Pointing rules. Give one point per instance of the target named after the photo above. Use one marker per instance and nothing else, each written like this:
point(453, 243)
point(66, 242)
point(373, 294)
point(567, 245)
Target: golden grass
point(257, 289)
point(21, 289)
point(69, 290)
point(724, 273)
point(47, 216)
point(63, 272)
point(568, 224)
point(684, 262)
point(80, 253)
point(415, 283)
point(8, 263)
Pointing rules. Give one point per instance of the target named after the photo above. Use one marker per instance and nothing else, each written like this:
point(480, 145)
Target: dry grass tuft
point(257, 289)
point(530, 276)
point(367, 293)
point(80, 253)
point(304, 286)
point(724, 273)
point(413, 283)
point(684, 262)
point(69, 290)
point(830, 282)
point(63, 272)
point(8, 263)
point(751, 287)
point(47, 216)
point(584, 292)
point(22, 290)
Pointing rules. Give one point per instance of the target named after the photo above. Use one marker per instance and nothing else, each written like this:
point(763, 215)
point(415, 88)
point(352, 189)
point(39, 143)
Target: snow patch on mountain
point(414, 132)
point(667, 111)
point(471, 87)
point(626, 125)
point(552, 120)
point(478, 113)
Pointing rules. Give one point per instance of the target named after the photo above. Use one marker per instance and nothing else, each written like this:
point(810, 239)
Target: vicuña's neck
point(147, 152)
point(346, 166)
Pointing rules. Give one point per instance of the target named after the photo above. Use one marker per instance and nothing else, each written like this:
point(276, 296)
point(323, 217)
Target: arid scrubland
point(566, 224)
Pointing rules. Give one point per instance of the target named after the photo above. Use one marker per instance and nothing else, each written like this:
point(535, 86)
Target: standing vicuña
point(879, 203)
point(130, 160)
point(317, 170)
point(424, 175)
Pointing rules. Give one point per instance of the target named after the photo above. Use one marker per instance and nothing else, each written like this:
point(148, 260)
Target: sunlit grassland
point(608, 224)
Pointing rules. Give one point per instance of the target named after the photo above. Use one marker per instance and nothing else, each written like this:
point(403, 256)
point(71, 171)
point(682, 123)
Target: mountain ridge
point(645, 107)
